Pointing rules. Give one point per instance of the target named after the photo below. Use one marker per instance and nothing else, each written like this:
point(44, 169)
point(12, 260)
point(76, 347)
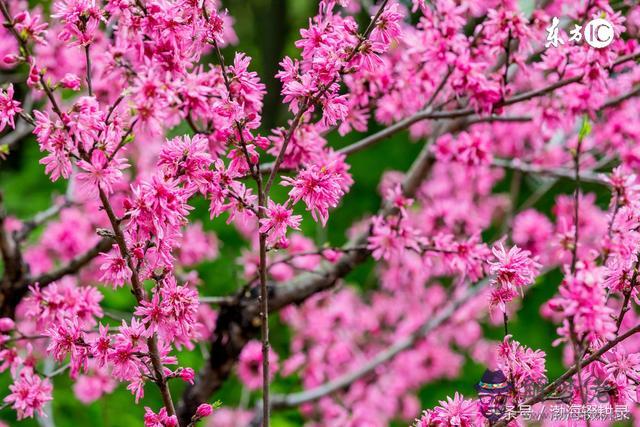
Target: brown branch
point(74, 265)
point(614, 102)
point(585, 176)
point(263, 197)
point(312, 101)
point(576, 209)
point(218, 300)
point(627, 294)
point(525, 96)
point(343, 381)
point(550, 388)
point(139, 292)
point(15, 268)
point(87, 54)
point(263, 299)
point(429, 114)
point(404, 124)
point(23, 128)
point(40, 218)
point(238, 323)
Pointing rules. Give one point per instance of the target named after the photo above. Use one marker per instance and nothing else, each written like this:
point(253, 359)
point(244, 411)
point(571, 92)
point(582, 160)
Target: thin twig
point(295, 399)
point(40, 218)
point(74, 265)
point(517, 165)
point(613, 102)
point(429, 114)
point(550, 388)
point(627, 294)
point(139, 292)
point(310, 102)
point(576, 206)
point(87, 54)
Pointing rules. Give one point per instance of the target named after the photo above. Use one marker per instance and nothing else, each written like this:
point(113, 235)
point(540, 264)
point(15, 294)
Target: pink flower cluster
point(9, 108)
point(512, 270)
point(133, 105)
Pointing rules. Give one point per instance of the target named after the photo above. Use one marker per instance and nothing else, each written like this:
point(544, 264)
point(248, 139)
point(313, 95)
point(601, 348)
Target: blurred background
point(266, 31)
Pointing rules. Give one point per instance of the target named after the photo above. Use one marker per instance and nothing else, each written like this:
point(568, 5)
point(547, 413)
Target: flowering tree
point(493, 90)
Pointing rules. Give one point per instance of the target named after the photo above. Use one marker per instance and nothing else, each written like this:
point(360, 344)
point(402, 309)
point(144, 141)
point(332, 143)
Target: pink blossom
point(61, 302)
point(114, 268)
point(161, 419)
point(29, 393)
point(91, 387)
point(335, 109)
point(70, 81)
point(387, 27)
point(227, 417)
point(81, 20)
point(250, 365)
point(512, 270)
point(86, 122)
point(198, 245)
point(8, 108)
point(391, 238)
point(180, 303)
point(215, 27)
point(204, 410)
point(100, 345)
point(100, 173)
point(53, 140)
point(319, 188)
point(187, 375)
point(582, 301)
point(6, 324)
point(31, 26)
point(532, 231)
point(125, 367)
point(472, 149)
point(67, 338)
point(620, 363)
point(153, 314)
point(452, 412)
point(525, 366)
point(278, 219)
point(188, 160)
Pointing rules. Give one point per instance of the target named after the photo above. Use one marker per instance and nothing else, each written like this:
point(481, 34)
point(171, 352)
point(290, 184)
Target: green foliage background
point(267, 30)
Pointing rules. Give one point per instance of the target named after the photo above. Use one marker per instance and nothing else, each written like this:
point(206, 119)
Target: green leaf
point(585, 129)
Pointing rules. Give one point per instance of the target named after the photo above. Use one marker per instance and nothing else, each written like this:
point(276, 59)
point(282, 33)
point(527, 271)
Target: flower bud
point(10, 59)
point(171, 421)
point(331, 255)
point(6, 324)
point(138, 252)
point(70, 81)
point(204, 410)
point(20, 17)
point(34, 76)
point(187, 375)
